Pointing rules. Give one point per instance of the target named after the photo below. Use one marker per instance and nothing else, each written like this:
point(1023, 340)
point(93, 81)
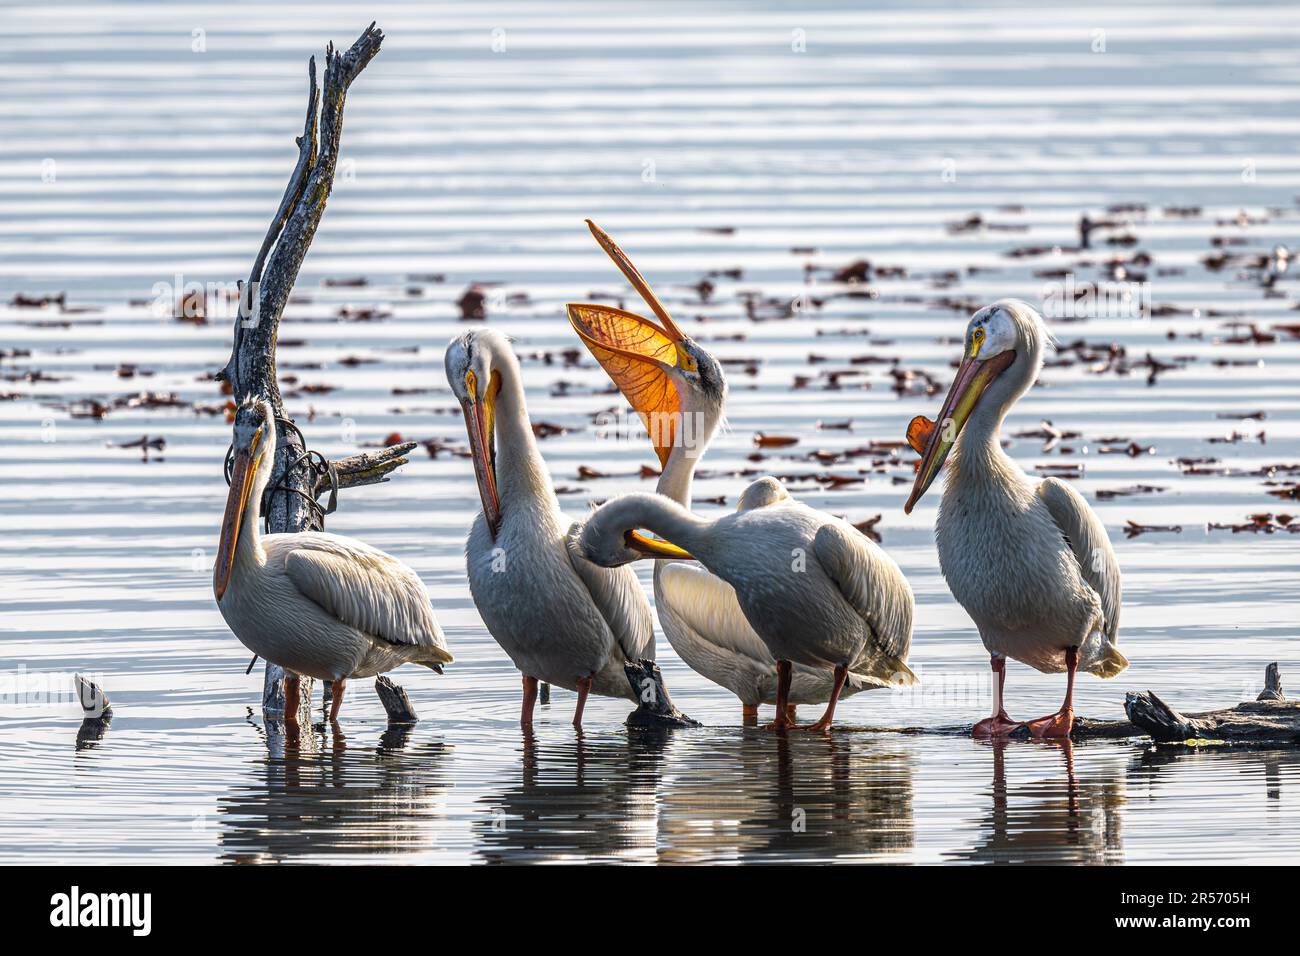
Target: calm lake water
point(146, 145)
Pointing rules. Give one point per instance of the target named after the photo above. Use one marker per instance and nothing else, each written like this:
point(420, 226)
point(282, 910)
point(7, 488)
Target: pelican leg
point(291, 699)
point(999, 725)
point(841, 675)
point(584, 688)
point(336, 700)
point(784, 671)
point(1060, 723)
point(530, 698)
point(749, 715)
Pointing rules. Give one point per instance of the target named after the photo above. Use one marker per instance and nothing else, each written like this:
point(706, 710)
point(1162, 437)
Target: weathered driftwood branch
point(369, 468)
point(97, 712)
point(1254, 722)
point(396, 703)
point(296, 483)
point(1270, 720)
point(94, 702)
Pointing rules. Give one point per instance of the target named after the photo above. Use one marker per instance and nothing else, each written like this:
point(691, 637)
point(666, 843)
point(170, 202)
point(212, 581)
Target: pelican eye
point(471, 383)
point(685, 360)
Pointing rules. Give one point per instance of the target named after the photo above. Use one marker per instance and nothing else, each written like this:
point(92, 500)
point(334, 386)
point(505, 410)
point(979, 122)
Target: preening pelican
point(678, 389)
point(1026, 557)
point(560, 618)
point(318, 604)
point(814, 589)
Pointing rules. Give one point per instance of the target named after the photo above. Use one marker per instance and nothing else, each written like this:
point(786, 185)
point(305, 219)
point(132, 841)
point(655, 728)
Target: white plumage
point(1027, 558)
point(560, 619)
point(321, 605)
point(662, 372)
point(815, 590)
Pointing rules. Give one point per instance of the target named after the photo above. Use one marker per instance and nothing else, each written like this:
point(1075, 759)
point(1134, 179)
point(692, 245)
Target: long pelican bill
point(973, 377)
point(241, 485)
point(637, 355)
point(634, 276)
point(480, 425)
point(655, 547)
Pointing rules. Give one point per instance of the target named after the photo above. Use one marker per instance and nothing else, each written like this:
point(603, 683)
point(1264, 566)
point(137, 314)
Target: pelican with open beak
point(318, 604)
point(1027, 558)
point(560, 618)
point(679, 391)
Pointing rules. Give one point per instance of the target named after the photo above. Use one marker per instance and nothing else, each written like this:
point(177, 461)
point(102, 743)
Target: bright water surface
point(703, 142)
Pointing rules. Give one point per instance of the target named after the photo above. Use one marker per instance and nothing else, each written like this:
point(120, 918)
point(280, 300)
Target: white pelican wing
point(708, 605)
point(618, 597)
point(873, 585)
point(362, 587)
point(1086, 536)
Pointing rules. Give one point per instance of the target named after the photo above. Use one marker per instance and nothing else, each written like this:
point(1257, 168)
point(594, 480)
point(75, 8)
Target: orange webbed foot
point(1053, 726)
point(997, 726)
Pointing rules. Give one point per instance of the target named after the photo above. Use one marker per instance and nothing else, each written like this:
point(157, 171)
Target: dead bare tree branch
point(299, 478)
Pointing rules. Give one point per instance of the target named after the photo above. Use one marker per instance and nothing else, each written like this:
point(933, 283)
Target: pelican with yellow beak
point(318, 604)
point(815, 589)
point(1027, 558)
point(560, 618)
point(679, 391)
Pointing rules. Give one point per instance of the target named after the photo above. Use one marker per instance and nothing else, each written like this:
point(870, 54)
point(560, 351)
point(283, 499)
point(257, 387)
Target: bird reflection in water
point(789, 798)
point(741, 795)
point(1054, 820)
point(318, 798)
point(588, 797)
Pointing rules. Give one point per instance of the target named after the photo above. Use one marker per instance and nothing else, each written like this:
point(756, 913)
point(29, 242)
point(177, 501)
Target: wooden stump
point(1270, 720)
point(654, 706)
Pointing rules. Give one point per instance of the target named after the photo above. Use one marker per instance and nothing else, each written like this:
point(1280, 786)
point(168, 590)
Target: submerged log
point(299, 476)
point(654, 706)
point(97, 712)
point(1260, 722)
point(1270, 720)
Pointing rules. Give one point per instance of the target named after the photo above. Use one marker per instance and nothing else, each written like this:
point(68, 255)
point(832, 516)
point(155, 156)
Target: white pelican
point(814, 589)
point(318, 604)
point(678, 389)
point(1026, 557)
point(560, 618)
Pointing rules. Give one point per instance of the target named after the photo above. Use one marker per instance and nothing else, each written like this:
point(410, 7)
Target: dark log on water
point(399, 706)
point(94, 702)
point(1270, 720)
point(96, 710)
point(299, 478)
point(1259, 722)
point(654, 707)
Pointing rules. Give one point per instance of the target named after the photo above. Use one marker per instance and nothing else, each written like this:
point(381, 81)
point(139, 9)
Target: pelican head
point(761, 493)
point(670, 380)
point(254, 436)
point(472, 361)
point(1003, 355)
point(610, 537)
